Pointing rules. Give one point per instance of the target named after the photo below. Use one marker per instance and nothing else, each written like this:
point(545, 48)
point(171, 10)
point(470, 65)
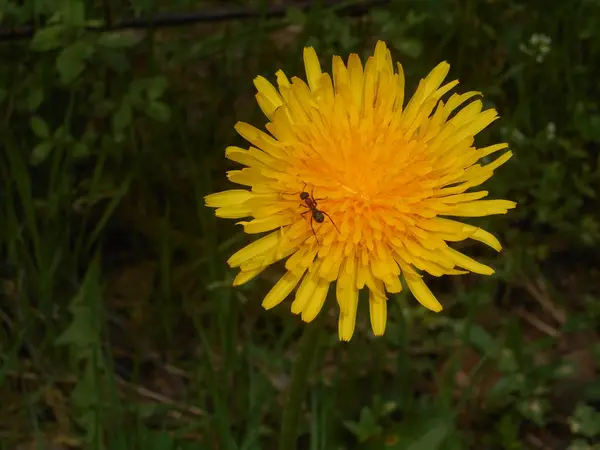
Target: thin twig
point(161, 398)
point(144, 392)
point(537, 323)
point(217, 15)
point(540, 292)
point(536, 441)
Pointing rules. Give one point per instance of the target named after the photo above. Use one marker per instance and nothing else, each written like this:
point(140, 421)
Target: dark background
point(119, 328)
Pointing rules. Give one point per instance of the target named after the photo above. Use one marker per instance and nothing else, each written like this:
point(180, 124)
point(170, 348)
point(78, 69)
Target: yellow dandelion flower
point(351, 183)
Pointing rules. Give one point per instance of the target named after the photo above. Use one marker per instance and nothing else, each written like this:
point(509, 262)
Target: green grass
point(119, 326)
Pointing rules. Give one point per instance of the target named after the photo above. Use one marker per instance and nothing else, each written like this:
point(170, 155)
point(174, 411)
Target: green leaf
point(117, 61)
point(432, 440)
point(157, 440)
point(80, 150)
point(46, 39)
point(39, 127)
point(73, 12)
point(157, 87)
point(295, 16)
point(80, 332)
point(410, 47)
point(71, 61)
point(119, 39)
point(122, 118)
point(479, 338)
point(35, 98)
point(381, 16)
point(585, 421)
point(85, 394)
point(159, 111)
point(83, 331)
point(40, 152)
point(367, 426)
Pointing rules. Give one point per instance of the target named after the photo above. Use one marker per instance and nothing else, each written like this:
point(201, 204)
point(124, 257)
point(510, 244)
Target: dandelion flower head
point(382, 171)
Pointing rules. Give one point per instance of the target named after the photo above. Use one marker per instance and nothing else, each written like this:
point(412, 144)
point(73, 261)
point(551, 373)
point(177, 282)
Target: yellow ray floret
point(354, 187)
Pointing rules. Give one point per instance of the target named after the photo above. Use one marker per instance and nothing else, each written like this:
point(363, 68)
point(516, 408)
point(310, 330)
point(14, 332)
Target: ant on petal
point(317, 215)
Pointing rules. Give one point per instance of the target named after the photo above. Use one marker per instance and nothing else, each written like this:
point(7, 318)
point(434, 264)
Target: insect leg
point(338, 230)
point(298, 193)
point(312, 198)
point(313, 230)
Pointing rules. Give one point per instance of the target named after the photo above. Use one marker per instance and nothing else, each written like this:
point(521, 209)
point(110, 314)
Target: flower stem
point(288, 436)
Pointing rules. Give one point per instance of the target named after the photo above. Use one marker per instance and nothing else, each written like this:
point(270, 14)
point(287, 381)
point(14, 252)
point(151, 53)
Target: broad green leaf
point(156, 87)
point(83, 331)
point(73, 12)
point(71, 61)
point(46, 39)
point(431, 440)
point(85, 394)
point(80, 332)
point(585, 421)
point(35, 98)
point(158, 111)
point(39, 127)
point(40, 152)
point(122, 117)
point(478, 337)
point(410, 47)
point(117, 61)
point(295, 16)
point(80, 150)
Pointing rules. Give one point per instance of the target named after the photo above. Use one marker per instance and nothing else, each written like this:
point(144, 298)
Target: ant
point(317, 215)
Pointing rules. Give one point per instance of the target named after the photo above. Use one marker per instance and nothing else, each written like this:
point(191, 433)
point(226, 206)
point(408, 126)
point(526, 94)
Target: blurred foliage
point(119, 325)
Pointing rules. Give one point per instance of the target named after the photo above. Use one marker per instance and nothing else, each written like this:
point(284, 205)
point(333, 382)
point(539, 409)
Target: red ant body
point(317, 215)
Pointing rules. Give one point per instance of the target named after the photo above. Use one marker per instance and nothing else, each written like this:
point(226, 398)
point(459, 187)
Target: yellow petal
point(459, 198)
point(254, 249)
point(398, 104)
point(234, 212)
point(486, 151)
point(422, 293)
point(312, 67)
point(468, 263)
point(347, 319)
point(244, 157)
point(267, 223)
point(346, 290)
point(281, 289)
point(269, 92)
point(487, 238)
point(355, 71)
point(282, 80)
point(498, 161)
point(481, 208)
point(247, 177)
point(305, 291)
point(312, 309)
point(227, 198)
point(436, 77)
point(377, 312)
point(393, 284)
point(444, 89)
point(245, 276)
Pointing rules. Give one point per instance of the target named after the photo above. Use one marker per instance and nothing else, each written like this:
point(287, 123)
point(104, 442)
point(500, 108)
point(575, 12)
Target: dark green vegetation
point(119, 328)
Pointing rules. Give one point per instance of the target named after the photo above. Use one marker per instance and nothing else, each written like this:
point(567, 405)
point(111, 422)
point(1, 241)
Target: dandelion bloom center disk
point(351, 182)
